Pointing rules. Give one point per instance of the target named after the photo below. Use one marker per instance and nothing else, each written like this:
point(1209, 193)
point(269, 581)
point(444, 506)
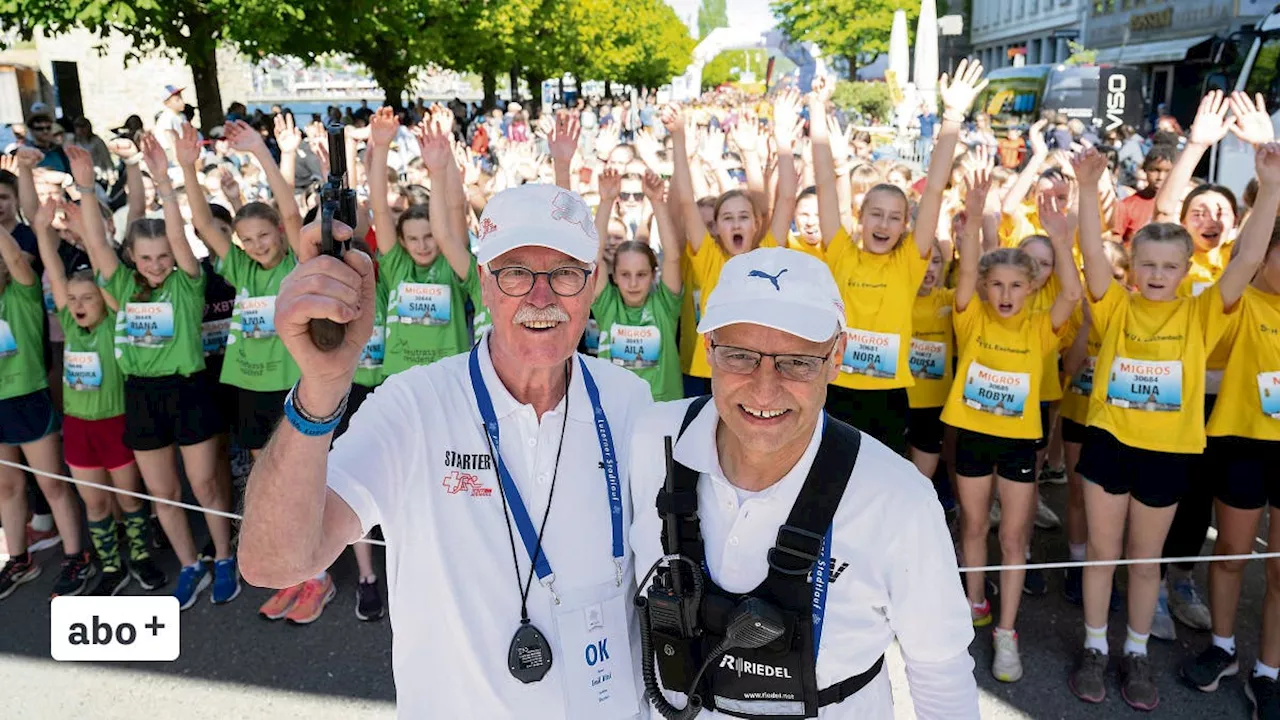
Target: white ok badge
point(595, 644)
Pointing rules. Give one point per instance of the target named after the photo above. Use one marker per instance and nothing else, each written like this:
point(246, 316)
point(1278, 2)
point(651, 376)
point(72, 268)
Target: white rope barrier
point(143, 496)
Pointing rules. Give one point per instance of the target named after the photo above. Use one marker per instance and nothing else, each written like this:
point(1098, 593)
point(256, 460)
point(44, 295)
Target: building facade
point(1031, 32)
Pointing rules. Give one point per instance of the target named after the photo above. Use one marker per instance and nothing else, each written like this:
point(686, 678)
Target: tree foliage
point(870, 99)
point(721, 68)
point(854, 29)
point(711, 15)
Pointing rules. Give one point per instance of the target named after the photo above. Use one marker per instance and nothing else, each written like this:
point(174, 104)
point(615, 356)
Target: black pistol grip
point(327, 334)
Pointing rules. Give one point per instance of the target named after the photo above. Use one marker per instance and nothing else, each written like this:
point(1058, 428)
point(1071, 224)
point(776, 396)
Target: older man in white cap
point(805, 547)
point(495, 476)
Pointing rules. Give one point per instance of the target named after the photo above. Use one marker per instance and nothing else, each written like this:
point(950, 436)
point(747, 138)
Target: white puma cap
point(782, 289)
point(539, 215)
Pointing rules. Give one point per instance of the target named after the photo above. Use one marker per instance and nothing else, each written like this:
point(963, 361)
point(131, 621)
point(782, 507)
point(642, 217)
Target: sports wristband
point(305, 422)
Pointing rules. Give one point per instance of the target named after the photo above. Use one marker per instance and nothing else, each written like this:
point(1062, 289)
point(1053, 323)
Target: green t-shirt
point(158, 335)
point(256, 359)
point(643, 339)
point(369, 371)
point(426, 309)
point(21, 340)
point(92, 384)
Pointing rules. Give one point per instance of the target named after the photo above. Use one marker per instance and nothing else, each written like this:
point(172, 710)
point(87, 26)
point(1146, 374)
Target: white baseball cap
point(777, 288)
point(538, 215)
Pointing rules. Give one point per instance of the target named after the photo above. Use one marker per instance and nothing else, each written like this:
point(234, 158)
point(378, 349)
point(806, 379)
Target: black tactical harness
point(778, 680)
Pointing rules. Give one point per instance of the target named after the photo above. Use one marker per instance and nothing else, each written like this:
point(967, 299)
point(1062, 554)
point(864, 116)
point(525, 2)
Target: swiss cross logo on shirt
point(487, 226)
point(456, 483)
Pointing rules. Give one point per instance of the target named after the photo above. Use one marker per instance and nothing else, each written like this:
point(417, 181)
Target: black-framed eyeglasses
point(565, 281)
point(631, 196)
point(41, 128)
point(792, 366)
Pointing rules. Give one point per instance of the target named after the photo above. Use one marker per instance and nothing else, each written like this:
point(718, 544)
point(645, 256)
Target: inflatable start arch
point(806, 56)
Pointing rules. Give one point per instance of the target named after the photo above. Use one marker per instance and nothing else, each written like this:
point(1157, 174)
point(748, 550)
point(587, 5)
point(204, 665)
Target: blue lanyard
point(528, 534)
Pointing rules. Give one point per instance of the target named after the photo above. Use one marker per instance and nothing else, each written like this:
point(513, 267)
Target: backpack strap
point(682, 501)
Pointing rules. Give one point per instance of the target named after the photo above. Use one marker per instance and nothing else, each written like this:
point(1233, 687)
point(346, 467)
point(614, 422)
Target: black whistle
point(337, 202)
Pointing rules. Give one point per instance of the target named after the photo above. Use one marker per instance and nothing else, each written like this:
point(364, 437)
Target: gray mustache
point(551, 313)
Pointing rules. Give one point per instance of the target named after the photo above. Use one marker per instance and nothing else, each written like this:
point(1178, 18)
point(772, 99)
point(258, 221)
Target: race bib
point(1269, 392)
point(148, 324)
point(592, 337)
point(258, 317)
point(424, 304)
point(928, 360)
point(1082, 381)
point(996, 392)
point(1151, 385)
point(870, 353)
point(8, 344)
point(213, 336)
point(635, 347)
point(376, 349)
point(81, 370)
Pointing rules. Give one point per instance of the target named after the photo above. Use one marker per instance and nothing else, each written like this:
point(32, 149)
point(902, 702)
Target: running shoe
point(315, 595)
point(280, 603)
point(1087, 681)
point(74, 576)
point(1186, 604)
point(369, 601)
point(38, 540)
point(1137, 687)
point(1046, 518)
point(1053, 476)
point(226, 581)
point(1205, 671)
point(15, 572)
point(1007, 665)
point(1162, 623)
point(192, 581)
point(1264, 696)
point(147, 573)
point(1034, 583)
point(111, 582)
point(981, 615)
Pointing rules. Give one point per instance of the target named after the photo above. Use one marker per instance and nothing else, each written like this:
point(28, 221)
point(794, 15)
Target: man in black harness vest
point(804, 547)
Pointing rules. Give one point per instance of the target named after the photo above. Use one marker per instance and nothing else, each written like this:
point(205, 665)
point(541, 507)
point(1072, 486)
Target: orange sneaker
point(311, 601)
point(280, 603)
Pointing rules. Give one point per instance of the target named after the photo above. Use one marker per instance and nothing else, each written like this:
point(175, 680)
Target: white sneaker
point(1162, 624)
point(1046, 518)
point(1007, 665)
point(1186, 603)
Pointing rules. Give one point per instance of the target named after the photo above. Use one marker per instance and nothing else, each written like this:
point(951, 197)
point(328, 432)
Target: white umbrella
point(926, 75)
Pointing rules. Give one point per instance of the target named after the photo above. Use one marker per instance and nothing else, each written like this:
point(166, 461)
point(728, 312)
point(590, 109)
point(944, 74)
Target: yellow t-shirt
point(795, 242)
point(1249, 401)
point(1023, 222)
point(1042, 302)
point(690, 313)
point(1075, 397)
point(1149, 385)
point(932, 346)
point(704, 268)
point(1206, 268)
point(998, 379)
point(879, 292)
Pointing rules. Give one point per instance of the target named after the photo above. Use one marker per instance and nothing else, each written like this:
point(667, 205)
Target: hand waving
point(153, 155)
point(786, 115)
point(959, 92)
point(81, 165)
point(610, 185)
point(1251, 123)
point(186, 146)
point(1267, 164)
point(383, 127)
point(28, 157)
point(563, 139)
point(288, 137)
point(1211, 124)
point(1089, 166)
point(243, 137)
point(653, 187)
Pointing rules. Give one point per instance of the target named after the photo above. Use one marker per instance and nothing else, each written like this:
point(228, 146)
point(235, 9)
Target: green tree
point(711, 15)
point(721, 68)
point(186, 30)
point(871, 99)
point(856, 30)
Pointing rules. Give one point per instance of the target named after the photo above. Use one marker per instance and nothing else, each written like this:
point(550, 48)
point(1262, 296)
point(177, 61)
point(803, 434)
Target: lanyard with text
point(528, 534)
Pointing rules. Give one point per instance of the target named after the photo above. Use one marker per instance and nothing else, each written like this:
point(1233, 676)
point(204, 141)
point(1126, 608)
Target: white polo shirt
point(416, 462)
point(893, 570)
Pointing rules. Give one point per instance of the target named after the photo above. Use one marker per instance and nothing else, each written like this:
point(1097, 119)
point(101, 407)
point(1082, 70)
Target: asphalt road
point(235, 665)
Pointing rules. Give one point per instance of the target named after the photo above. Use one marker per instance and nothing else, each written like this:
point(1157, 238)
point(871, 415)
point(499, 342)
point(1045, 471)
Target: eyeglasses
point(41, 128)
point(741, 361)
point(632, 196)
point(517, 281)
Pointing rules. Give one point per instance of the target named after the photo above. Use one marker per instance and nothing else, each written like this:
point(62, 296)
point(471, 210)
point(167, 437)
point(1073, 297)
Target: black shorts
point(160, 411)
point(257, 414)
point(27, 418)
point(979, 455)
point(358, 395)
point(882, 414)
point(1045, 427)
point(1073, 432)
point(1155, 479)
point(1247, 478)
point(924, 429)
point(224, 396)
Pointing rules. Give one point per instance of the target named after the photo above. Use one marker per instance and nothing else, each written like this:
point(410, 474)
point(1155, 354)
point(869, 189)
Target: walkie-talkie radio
point(337, 202)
